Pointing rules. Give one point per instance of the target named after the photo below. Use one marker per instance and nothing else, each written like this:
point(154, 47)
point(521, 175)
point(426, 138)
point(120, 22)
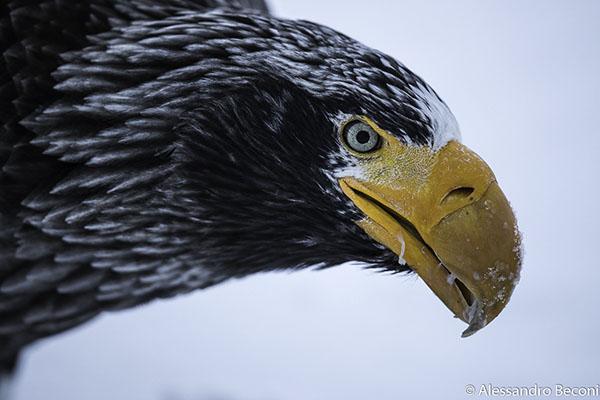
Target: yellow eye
point(360, 137)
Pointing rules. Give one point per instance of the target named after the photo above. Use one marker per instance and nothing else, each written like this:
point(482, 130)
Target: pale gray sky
point(523, 79)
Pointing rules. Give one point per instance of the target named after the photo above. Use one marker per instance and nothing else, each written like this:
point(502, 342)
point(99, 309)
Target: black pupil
point(363, 137)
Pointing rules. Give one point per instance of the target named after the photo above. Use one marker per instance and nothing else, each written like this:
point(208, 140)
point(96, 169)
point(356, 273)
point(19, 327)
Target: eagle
point(150, 148)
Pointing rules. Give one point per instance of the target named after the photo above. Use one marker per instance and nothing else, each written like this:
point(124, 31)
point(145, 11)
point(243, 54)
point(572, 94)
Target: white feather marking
point(444, 124)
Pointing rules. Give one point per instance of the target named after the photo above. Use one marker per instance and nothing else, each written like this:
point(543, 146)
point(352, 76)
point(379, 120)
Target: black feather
point(153, 147)
point(36, 37)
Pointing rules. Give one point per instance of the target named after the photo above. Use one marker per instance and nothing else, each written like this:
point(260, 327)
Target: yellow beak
point(450, 222)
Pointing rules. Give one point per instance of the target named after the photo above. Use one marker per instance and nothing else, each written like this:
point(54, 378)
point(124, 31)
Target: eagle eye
point(360, 137)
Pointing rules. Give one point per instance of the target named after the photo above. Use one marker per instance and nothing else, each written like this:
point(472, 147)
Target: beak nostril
point(459, 193)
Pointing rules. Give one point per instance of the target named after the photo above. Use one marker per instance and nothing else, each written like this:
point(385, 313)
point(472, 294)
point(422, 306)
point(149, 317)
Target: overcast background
point(523, 79)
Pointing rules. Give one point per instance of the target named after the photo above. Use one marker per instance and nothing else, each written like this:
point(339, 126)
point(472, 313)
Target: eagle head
point(325, 151)
point(277, 145)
